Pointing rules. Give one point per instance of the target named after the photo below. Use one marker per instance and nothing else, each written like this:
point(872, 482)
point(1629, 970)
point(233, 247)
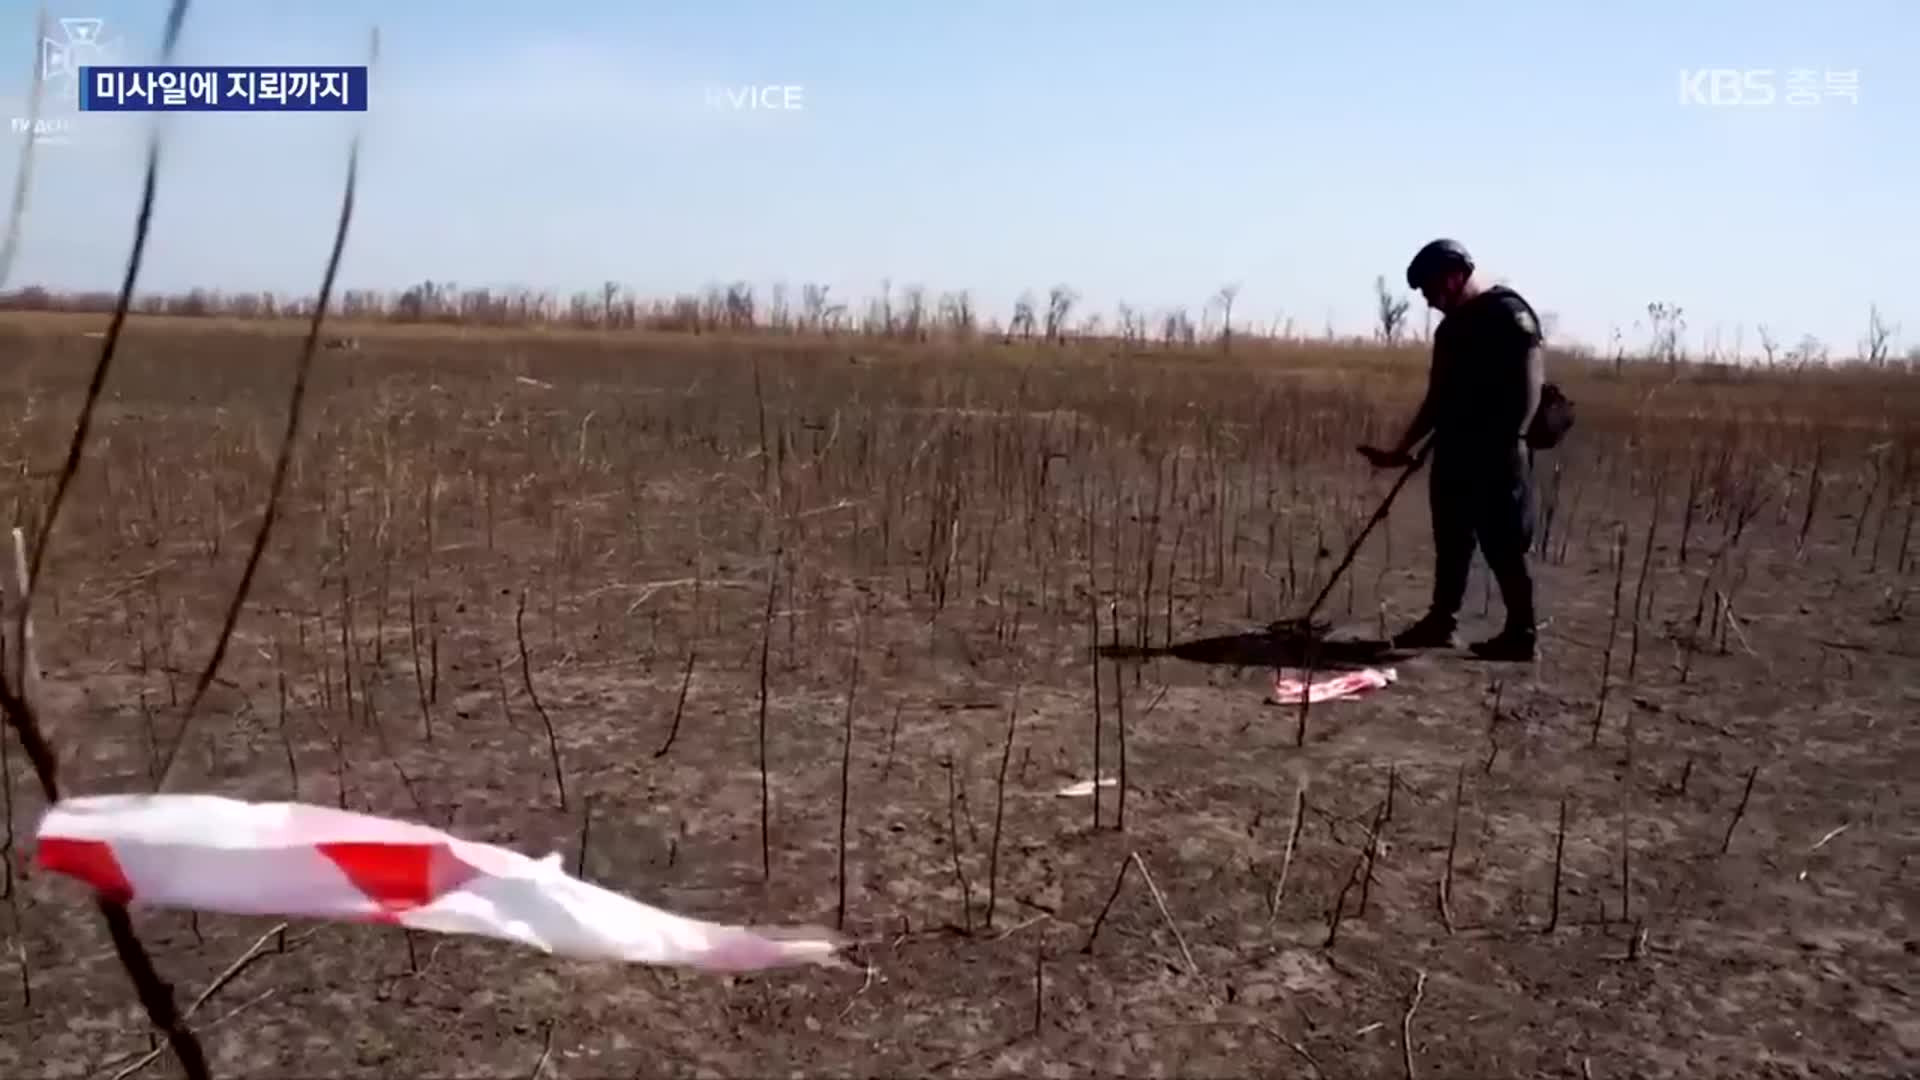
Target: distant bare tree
point(685, 314)
point(1225, 298)
point(740, 306)
point(1768, 344)
point(885, 309)
point(813, 306)
point(956, 314)
point(1022, 322)
point(1810, 350)
point(778, 315)
point(609, 292)
point(914, 313)
point(1060, 301)
point(1390, 310)
point(1877, 346)
point(1668, 326)
point(713, 307)
point(1176, 328)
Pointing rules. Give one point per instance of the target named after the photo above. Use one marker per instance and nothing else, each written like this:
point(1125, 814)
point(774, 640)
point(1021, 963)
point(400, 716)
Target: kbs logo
point(1758, 86)
point(1727, 86)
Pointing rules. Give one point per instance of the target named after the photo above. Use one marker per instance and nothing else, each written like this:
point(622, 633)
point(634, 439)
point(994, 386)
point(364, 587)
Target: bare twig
point(24, 656)
point(1286, 859)
point(1312, 652)
point(526, 680)
point(893, 738)
point(1364, 859)
point(419, 672)
point(1093, 654)
point(1646, 566)
point(953, 842)
point(1453, 842)
point(586, 837)
point(154, 1055)
point(679, 705)
point(1119, 879)
point(281, 943)
point(1373, 843)
point(1825, 839)
point(1733, 623)
point(1406, 1023)
point(1626, 824)
point(1613, 624)
point(546, 1052)
point(1039, 984)
point(1559, 852)
point(6, 848)
point(1160, 902)
point(766, 641)
point(1739, 811)
point(999, 809)
point(846, 768)
point(1120, 725)
point(1493, 727)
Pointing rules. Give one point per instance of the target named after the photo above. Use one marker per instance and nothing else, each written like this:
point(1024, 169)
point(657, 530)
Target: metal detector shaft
point(1353, 549)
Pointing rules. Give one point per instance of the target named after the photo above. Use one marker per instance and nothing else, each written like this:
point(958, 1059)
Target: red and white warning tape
point(1287, 690)
point(211, 853)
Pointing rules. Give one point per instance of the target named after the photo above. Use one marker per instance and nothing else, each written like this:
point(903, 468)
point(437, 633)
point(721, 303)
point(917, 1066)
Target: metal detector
point(1304, 627)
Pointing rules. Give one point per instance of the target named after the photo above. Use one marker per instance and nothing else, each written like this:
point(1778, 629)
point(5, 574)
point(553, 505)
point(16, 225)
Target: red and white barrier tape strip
point(1287, 689)
point(210, 853)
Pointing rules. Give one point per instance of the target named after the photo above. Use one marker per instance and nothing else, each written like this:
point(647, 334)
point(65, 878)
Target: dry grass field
point(913, 583)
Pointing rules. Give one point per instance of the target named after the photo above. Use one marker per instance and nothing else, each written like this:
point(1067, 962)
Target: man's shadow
point(1265, 648)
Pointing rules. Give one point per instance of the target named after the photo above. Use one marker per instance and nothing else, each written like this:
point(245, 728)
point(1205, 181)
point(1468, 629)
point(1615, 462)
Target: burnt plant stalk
point(1559, 855)
point(846, 769)
point(1453, 843)
point(526, 681)
point(1093, 653)
point(679, 705)
point(1000, 808)
point(766, 641)
point(1613, 626)
point(1740, 811)
point(1640, 601)
point(1286, 859)
point(1813, 492)
point(1120, 726)
point(953, 844)
point(419, 671)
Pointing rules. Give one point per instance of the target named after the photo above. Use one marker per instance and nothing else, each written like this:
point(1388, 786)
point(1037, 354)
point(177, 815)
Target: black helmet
point(1437, 257)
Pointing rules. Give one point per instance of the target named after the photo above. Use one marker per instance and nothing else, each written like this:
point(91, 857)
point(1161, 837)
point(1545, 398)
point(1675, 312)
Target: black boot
point(1513, 644)
point(1431, 632)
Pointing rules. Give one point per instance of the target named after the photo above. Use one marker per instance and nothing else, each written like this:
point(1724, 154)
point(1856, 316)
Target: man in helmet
point(1482, 391)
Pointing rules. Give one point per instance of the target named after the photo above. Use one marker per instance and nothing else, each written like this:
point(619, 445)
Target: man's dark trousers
point(1483, 497)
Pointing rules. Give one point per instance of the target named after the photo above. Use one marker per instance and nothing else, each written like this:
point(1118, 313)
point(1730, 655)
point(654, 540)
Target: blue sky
point(1139, 152)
